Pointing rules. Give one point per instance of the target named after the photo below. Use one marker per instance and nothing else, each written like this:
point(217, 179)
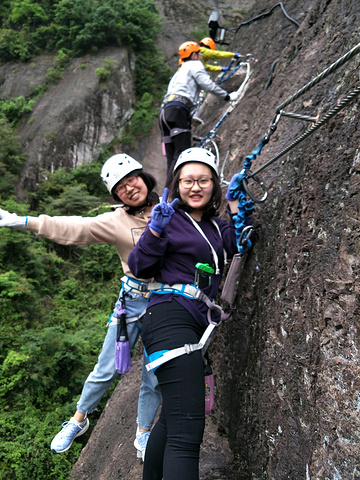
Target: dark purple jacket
point(171, 258)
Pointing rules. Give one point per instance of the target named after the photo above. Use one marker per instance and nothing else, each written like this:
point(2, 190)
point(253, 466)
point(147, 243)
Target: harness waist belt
point(177, 98)
point(116, 321)
point(187, 290)
point(132, 284)
point(192, 292)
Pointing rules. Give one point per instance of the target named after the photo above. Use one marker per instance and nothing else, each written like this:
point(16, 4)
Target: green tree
point(26, 14)
point(11, 159)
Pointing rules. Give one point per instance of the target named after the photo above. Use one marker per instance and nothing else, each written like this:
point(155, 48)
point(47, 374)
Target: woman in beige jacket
point(128, 183)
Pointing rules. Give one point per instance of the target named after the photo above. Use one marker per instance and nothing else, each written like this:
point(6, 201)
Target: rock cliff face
point(287, 362)
point(288, 383)
point(76, 117)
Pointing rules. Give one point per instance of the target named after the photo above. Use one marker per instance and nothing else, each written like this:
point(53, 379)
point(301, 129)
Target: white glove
point(233, 96)
point(11, 220)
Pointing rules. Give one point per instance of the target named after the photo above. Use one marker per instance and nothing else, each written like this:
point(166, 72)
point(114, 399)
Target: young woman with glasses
point(134, 189)
point(179, 236)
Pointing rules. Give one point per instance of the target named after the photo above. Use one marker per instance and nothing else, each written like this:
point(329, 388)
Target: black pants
point(173, 449)
point(175, 117)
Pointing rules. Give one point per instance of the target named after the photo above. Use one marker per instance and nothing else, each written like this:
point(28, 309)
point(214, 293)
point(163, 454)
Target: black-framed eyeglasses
point(203, 182)
point(130, 182)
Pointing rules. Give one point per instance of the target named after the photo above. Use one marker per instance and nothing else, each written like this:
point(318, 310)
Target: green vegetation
point(142, 120)
point(54, 305)
point(55, 300)
point(105, 72)
point(76, 27)
point(72, 28)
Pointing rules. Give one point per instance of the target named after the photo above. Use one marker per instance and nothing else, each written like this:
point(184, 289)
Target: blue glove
point(224, 69)
point(162, 213)
point(237, 55)
point(234, 182)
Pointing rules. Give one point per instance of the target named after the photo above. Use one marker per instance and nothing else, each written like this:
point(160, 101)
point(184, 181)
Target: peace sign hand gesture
point(162, 213)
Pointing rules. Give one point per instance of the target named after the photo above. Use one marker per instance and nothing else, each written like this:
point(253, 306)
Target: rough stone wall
point(288, 384)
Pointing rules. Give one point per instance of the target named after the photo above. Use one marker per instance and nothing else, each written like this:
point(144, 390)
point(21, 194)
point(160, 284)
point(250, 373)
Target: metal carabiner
point(274, 122)
point(245, 235)
point(259, 182)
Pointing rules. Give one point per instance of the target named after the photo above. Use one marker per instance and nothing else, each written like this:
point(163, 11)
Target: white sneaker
point(71, 429)
point(140, 443)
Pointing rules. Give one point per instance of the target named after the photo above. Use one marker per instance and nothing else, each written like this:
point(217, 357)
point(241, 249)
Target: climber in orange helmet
point(209, 52)
point(180, 101)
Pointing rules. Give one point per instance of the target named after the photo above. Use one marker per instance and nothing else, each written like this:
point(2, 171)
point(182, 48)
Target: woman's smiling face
point(196, 197)
point(132, 191)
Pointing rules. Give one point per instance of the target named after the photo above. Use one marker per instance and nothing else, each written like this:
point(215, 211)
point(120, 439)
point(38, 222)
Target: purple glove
point(232, 185)
point(224, 69)
point(162, 213)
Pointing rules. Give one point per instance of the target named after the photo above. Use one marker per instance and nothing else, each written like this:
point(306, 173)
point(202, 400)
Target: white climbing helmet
point(116, 168)
point(197, 154)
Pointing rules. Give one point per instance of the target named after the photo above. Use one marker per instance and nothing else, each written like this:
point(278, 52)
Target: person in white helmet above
point(180, 101)
point(134, 189)
point(183, 248)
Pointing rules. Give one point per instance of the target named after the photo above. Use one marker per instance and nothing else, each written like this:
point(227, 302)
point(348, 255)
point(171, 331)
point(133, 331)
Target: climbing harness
point(177, 98)
point(194, 293)
point(130, 283)
point(162, 356)
point(173, 132)
point(189, 291)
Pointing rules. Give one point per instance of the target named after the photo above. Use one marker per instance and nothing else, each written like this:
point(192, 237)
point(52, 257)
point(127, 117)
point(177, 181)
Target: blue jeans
point(104, 372)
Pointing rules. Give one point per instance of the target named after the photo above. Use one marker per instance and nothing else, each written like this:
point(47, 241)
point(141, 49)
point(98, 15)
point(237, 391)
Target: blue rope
point(223, 75)
point(245, 206)
point(222, 79)
point(213, 131)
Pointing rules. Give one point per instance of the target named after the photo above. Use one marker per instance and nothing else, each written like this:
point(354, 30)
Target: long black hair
point(152, 197)
point(211, 209)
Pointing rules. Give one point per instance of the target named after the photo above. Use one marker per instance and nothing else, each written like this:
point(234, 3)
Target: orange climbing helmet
point(187, 48)
point(208, 42)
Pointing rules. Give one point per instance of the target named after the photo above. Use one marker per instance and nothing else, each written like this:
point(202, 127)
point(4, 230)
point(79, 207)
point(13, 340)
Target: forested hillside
point(287, 362)
point(55, 300)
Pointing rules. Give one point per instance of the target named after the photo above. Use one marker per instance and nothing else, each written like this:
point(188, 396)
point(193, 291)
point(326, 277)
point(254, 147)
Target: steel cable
point(321, 76)
point(348, 99)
